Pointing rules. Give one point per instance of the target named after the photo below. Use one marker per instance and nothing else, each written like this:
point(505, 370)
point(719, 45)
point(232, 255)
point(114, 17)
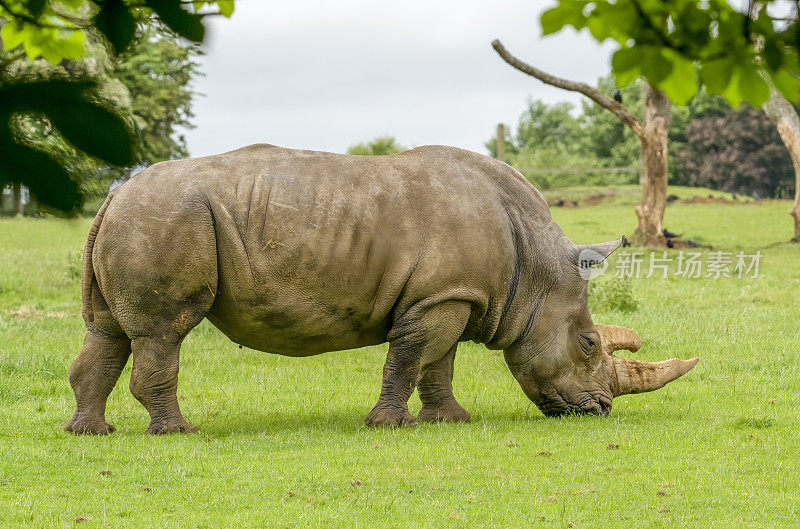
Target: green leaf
point(616, 21)
point(732, 92)
point(96, 131)
point(752, 87)
point(654, 65)
point(13, 34)
point(35, 7)
point(71, 44)
point(86, 124)
point(46, 179)
point(625, 64)
point(115, 21)
point(225, 7)
point(568, 12)
point(185, 24)
point(716, 75)
point(74, 4)
point(680, 85)
point(787, 84)
point(51, 43)
point(773, 55)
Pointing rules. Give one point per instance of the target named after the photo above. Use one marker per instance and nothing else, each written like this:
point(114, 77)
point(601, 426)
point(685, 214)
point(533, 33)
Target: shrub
point(612, 294)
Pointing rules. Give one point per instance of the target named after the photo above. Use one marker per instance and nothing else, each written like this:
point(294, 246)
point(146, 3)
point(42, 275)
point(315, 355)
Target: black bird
point(693, 244)
point(617, 96)
point(668, 234)
point(625, 242)
point(669, 244)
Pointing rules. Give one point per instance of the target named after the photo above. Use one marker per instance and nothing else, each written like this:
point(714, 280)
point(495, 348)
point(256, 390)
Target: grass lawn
point(283, 442)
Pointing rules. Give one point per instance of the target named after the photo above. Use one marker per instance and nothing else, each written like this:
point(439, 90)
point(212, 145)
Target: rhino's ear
point(586, 256)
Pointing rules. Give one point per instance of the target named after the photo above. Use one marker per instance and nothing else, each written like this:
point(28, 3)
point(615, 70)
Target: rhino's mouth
point(554, 405)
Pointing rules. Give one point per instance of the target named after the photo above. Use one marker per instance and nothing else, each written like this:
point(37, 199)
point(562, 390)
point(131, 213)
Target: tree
point(57, 30)
point(670, 43)
point(785, 118)
point(148, 86)
point(605, 136)
point(157, 71)
point(652, 133)
point(750, 55)
point(379, 146)
point(739, 152)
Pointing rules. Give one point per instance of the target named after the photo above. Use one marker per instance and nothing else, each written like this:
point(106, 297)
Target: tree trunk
point(19, 207)
point(653, 176)
point(782, 113)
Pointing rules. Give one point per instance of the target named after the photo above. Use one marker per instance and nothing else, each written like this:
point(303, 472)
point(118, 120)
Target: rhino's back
point(318, 251)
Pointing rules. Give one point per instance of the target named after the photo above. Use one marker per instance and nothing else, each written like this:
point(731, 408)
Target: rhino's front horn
point(634, 376)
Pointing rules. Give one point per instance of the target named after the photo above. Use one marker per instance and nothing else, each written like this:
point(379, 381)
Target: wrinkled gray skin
point(299, 252)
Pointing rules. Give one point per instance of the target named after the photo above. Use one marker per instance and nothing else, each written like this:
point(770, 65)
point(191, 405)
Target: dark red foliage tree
point(740, 152)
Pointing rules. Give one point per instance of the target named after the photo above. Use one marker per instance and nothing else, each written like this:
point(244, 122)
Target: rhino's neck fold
point(539, 246)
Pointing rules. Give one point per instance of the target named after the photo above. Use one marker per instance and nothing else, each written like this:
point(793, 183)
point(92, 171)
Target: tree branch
point(625, 115)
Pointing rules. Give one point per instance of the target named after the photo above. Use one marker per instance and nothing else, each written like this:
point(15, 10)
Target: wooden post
point(19, 207)
point(501, 142)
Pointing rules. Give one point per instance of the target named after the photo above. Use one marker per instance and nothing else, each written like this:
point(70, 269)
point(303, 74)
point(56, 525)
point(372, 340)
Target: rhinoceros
point(299, 252)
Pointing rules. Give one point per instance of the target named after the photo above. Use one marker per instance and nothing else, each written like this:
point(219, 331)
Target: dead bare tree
point(652, 134)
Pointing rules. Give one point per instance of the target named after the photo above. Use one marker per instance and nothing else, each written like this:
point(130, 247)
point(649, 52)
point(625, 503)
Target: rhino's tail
point(87, 276)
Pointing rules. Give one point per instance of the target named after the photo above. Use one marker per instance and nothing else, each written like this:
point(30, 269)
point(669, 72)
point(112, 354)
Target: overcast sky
point(323, 75)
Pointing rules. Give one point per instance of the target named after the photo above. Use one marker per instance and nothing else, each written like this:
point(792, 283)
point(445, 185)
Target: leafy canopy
point(149, 86)
point(672, 43)
point(57, 30)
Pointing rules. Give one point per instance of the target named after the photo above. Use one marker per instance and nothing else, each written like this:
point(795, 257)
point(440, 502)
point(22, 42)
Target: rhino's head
point(566, 364)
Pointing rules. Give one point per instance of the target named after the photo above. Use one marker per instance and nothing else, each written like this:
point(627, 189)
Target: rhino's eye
point(588, 343)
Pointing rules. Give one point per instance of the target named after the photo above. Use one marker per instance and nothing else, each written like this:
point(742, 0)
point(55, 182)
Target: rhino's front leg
point(436, 392)
point(417, 341)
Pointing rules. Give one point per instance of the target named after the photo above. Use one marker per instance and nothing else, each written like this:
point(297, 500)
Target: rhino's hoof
point(452, 412)
point(160, 427)
point(87, 425)
point(390, 417)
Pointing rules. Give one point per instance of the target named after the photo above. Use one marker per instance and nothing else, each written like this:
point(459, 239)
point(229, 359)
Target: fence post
point(501, 142)
point(19, 207)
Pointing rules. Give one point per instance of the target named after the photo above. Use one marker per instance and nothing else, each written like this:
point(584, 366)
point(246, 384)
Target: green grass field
point(283, 442)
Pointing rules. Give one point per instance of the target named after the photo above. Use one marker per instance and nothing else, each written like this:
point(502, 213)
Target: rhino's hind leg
point(436, 393)
point(417, 341)
point(154, 383)
point(92, 377)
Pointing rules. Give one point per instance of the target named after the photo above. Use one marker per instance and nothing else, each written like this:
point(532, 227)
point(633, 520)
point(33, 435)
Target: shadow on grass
point(351, 420)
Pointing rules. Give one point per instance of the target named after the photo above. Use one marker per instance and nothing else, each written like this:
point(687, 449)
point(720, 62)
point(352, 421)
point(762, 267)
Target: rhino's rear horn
point(613, 338)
